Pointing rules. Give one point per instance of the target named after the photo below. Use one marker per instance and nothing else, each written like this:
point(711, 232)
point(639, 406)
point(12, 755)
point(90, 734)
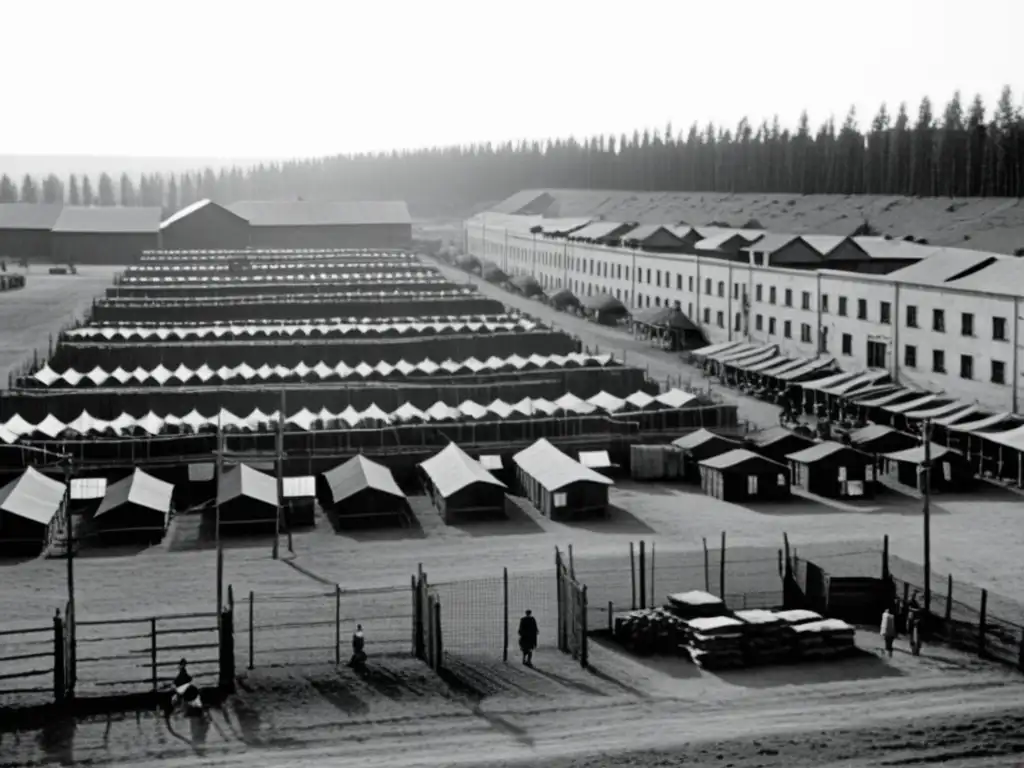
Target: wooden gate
point(572, 611)
point(426, 632)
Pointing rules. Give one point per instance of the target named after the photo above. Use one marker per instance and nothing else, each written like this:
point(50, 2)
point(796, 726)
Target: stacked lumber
point(716, 642)
point(767, 638)
point(652, 631)
point(825, 639)
point(696, 605)
point(798, 616)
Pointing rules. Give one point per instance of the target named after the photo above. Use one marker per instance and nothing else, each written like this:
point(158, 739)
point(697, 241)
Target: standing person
point(358, 643)
point(528, 632)
point(888, 630)
point(914, 624)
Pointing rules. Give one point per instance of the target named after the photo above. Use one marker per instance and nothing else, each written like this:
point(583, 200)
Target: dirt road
point(662, 366)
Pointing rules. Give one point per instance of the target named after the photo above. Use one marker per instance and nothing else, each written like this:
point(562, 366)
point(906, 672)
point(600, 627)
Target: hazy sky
point(297, 78)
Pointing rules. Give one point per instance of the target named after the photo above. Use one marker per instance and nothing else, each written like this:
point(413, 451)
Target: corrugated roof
point(140, 489)
point(188, 210)
point(33, 496)
point(452, 469)
point(303, 213)
point(31, 216)
point(553, 469)
point(108, 220)
point(246, 481)
point(358, 474)
point(742, 459)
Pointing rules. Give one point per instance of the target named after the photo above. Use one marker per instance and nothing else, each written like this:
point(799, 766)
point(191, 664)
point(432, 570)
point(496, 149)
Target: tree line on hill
point(962, 152)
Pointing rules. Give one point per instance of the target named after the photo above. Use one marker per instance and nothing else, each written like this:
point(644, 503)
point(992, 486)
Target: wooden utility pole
point(69, 542)
point(216, 527)
point(279, 450)
point(926, 492)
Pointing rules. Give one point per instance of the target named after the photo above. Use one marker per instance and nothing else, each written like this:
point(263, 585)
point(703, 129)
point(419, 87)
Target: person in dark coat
point(358, 644)
point(914, 624)
point(528, 632)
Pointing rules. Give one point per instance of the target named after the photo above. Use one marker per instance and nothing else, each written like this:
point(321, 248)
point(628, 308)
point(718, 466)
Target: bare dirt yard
point(296, 708)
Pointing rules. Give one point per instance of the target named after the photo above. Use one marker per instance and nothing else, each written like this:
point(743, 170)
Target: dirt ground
point(865, 711)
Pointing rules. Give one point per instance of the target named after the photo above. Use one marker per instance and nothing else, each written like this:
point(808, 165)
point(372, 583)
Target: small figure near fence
point(914, 624)
point(185, 692)
point(358, 660)
point(888, 630)
point(528, 633)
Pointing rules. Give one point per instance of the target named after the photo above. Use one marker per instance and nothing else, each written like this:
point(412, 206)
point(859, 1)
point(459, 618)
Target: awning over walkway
point(713, 349)
point(811, 366)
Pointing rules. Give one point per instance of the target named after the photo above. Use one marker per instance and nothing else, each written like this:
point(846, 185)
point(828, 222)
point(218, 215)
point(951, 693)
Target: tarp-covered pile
point(696, 605)
point(716, 642)
point(824, 639)
point(767, 638)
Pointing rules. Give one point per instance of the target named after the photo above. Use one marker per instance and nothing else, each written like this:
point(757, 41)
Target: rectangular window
point(627, 273)
point(757, 292)
point(657, 277)
point(938, 361)
point(911, 316)
point(847, 343)
point(720, 319)
point(999, 328)
point(721, 288)
point(787, 329)
point(910, 356)
point(998, 372)
point(805, 300)
point(736, 290)
point(966, 367)
point(939, 320)
point(739, 322)
point(862, 309)
point(789, 297)
point(885, 313)
point(648, 276)
point(824, 302)
point(805, 333)
point(707, 315)
point(771, 294)
point(758, 322)
point(707, 286)
point(966, 324)
point(689, 282)
point(679, 282)
point(842, 306)
point(771, 326)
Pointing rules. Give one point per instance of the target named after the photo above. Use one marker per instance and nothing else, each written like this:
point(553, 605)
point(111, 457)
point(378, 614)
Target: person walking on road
point(888, 630)
point(528, 632)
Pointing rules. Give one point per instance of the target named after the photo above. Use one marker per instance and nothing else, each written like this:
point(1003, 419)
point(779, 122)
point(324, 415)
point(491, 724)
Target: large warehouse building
point(939, 319)
point(25, 230)
point(302, 224)
point(104, 235)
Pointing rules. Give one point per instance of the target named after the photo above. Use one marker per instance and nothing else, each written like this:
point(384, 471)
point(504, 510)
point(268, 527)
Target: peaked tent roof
point(741, 458)
point(667, 317)
point(600, 230)
point(32, 496)
point(777, 434)
point(108, 220)
point(140, 489)
point(301, 213)
point(700, 437)
point(188, 210)
point(452, 469)
point(646, 231)
point(603, 302)
point(29, 216)
point(243, 480)
point(553, 469)
point(819, 451)
point(359, 474)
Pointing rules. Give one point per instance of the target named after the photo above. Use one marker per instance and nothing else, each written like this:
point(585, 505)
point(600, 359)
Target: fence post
point(252, 642)
point(643, 575)
point(885, 558)
point(611, 619)
point(583, 627)
point(707, 566)
point(632, 574)
point(152, 652)
point(438, 641)
point(59, 688)
point(1020, 652)
point(337, 624)
point(949, 601)
point(572, 564)
point(227, 651)
point(504, 651)
point(653, 604)
point(982, 622)
point(559, 608)
point(721, 571)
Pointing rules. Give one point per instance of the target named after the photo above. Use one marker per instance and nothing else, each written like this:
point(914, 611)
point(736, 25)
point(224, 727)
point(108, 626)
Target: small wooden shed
point(31, 511)
point(247, 499)
point(741, 475)
point(950, 470)
point(777, 443)
point(136, 508)
point(460, 487)
point(833, 470)
point(560, 487)
point(698, 446)
point(362, 491)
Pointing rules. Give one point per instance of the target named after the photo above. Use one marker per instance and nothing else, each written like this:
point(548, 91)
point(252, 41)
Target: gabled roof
point(880, 248)
point(915, 455)
point(645, 232)
point(823, 450)
point(302, 213)
point(245, 481)
point(188, 210)
point(452, 469)
point(553, 469)
point(139, 489)
point(771, 243)
point(33, 496)
point(601, 230)
point(701, 437)
point(108, 220)
point(358, 474)
point(774, 435)
point(718, 239)
point(29, 216)
point(741, 459)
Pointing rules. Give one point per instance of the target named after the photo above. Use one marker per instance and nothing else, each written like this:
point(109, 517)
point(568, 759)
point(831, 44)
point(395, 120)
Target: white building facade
point(948, 340)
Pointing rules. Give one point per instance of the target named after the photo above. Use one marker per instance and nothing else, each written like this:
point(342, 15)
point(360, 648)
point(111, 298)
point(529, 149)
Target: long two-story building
point(946, 320)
